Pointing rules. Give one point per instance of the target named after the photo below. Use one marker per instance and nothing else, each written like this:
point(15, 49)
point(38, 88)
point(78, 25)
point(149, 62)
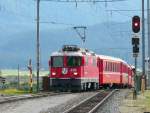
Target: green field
point(11, 72)
point(11, 82)
point(13, 92)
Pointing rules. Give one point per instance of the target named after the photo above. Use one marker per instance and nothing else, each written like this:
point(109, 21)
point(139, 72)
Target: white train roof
point(111, 58)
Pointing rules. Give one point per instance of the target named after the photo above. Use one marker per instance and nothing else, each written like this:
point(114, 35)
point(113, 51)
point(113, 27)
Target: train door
point(100, 67)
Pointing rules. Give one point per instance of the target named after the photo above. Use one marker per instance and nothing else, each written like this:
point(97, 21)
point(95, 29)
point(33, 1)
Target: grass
point(142, 104)
point(13, 92)
point(147, 99)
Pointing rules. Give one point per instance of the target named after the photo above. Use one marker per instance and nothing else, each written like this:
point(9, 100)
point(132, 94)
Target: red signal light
point(136, 24)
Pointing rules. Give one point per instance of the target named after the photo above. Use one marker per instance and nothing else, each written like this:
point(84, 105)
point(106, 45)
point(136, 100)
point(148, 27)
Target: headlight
point(53, 73)
point(75, 73)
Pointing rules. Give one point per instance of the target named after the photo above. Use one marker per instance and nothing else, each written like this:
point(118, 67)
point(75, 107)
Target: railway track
point(8, 99)
point(91, 104)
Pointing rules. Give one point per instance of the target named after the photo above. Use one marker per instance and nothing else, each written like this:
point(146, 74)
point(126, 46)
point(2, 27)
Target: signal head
point(136, 24)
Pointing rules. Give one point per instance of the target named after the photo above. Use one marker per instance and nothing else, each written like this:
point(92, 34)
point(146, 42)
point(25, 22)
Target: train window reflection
point(57, 61)
point(73, 61)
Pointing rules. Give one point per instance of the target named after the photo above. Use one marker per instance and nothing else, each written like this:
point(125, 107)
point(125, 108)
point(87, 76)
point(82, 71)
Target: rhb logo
point(64, 70)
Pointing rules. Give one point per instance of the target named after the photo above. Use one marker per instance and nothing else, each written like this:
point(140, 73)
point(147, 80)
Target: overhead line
point(84, 1)
point(57, 23)
point(125, 10)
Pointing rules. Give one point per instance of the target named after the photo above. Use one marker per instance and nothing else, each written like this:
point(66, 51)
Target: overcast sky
point(24, 12)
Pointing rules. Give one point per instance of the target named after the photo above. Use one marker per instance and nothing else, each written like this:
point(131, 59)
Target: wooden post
point(143, 85)
point(30, 76)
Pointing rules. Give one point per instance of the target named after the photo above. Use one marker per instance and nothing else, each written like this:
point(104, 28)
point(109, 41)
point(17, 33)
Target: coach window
point(106, 66)
point(109, 66)
point(117, 67)
point(57, 61)
point(94, 61)
point(86, 61)
point(113, 67)
point(73, 61)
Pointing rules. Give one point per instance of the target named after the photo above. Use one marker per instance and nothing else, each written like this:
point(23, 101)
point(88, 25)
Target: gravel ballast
point(112, 105)
point(51, 104)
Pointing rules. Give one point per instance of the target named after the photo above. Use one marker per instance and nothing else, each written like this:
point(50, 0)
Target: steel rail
point(81, 102)
point(95, 101)
point(27, 97)
point(102, 102)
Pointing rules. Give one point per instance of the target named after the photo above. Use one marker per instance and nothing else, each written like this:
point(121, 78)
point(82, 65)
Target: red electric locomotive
point(74, 68)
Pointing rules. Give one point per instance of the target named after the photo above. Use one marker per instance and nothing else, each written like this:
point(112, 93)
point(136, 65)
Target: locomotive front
point(66, 67)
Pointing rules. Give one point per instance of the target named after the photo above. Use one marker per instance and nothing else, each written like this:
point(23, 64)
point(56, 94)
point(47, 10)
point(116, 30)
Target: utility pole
point(18, 78)
point(148, 21)
point(143, 43)
point(38, 43)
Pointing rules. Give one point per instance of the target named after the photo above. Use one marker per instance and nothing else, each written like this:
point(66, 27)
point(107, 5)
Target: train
point(74, 68)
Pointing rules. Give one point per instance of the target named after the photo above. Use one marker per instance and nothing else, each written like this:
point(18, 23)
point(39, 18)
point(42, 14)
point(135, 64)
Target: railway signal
point(135, 40)
point(135, 43)
point(136, 24)
point(136, 49)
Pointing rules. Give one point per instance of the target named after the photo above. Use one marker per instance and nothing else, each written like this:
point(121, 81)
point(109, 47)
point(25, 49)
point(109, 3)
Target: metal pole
point(38, 44)
point(143, 41)
point(136, 74)
point(18, 78)
point(135, 80)
point(148, 21)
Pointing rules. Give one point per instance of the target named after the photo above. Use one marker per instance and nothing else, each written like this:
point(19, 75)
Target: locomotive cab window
point(73, 61)
point(57, 61)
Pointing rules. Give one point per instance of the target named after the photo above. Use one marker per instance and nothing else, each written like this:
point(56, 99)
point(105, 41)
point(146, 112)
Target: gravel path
point(51, 104)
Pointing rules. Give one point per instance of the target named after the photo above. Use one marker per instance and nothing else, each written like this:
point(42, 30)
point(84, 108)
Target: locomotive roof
point(80, 52)
point(61, 53)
